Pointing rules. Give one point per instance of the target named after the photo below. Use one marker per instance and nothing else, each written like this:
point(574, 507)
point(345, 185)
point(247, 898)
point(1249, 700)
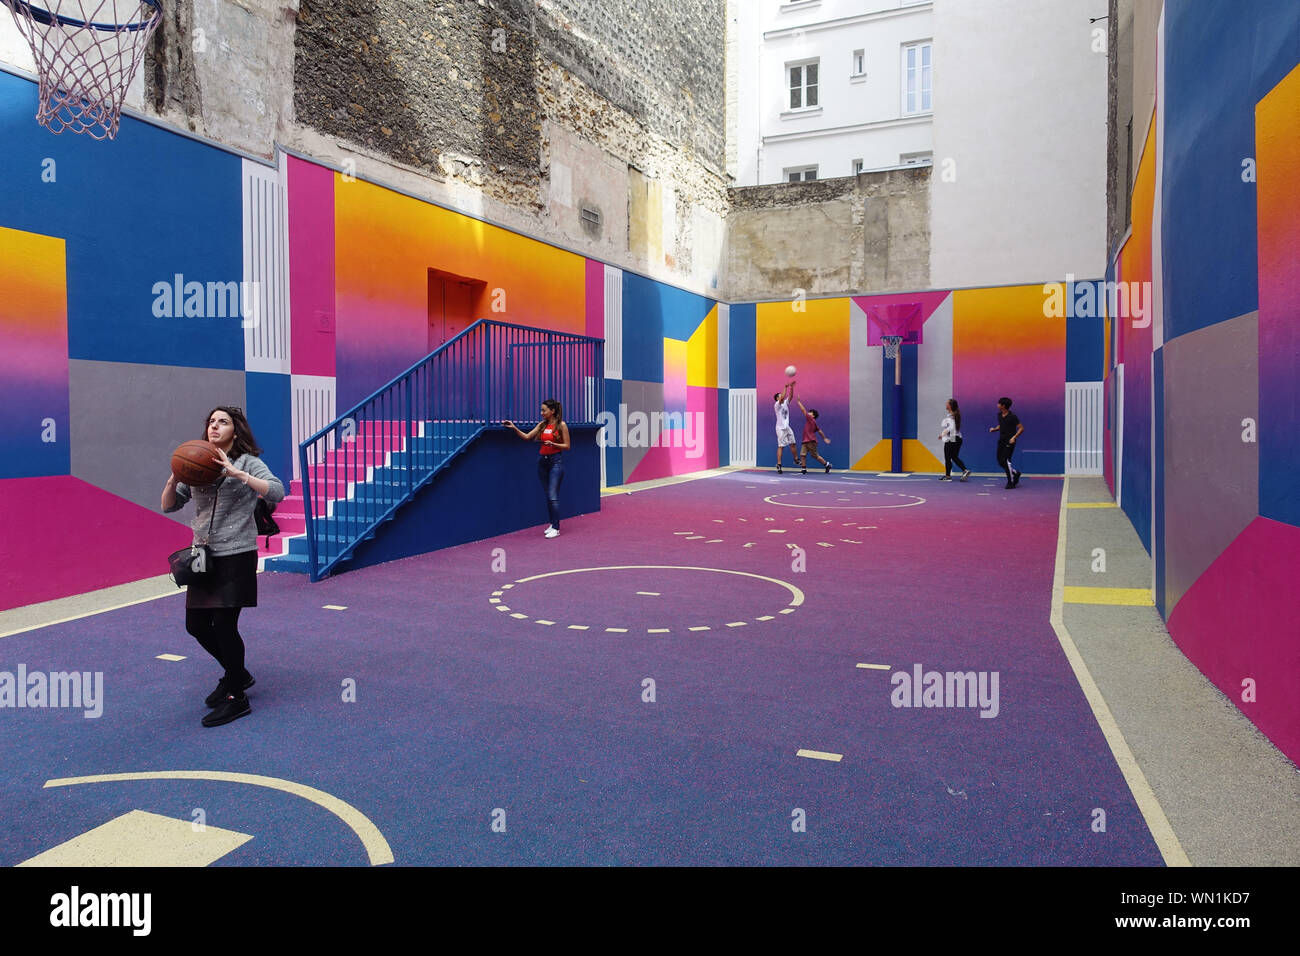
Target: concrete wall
point(866, 233)
point(1018, 162)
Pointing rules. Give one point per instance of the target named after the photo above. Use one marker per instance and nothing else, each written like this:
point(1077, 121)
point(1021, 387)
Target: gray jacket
point(233, 529)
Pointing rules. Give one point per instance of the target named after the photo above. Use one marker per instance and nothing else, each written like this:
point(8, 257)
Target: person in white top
point(784, 434)
point(950, 435)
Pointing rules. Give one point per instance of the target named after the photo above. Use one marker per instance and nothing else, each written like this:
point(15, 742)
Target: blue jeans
point(550, 469)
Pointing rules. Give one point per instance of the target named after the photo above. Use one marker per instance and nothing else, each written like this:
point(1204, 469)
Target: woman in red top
point(554, 436)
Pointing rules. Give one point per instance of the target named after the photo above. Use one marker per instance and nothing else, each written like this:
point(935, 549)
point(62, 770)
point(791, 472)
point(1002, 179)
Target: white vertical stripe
point(313, 398)
point(742, 425)
point(1084, 427)
point(613, 323)
point(266, 269)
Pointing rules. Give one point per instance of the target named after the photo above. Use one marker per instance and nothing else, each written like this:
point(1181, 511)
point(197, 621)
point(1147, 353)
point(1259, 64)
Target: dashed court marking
point(649, 593)
point(376, 847)
point(547, 623)
point(170, 657)
point(873, 667)
point(820, 755)
point(917, 500)
point(702, 627)
point(1130, 597)
point(334, 607)
point(658, 630)
point(796, 595)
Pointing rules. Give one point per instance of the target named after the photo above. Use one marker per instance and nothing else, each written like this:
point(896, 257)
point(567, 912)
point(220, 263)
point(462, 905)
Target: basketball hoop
point(891, 344)
point(87, 53)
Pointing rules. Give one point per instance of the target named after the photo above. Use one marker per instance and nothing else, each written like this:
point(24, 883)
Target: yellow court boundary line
point(1152, 812)
point(1119, 597)
point(377, 848)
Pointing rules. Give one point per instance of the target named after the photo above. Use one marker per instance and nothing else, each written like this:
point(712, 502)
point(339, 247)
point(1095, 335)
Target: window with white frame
point(918, 78)
point(795, 174)
point(857, 166)
point(859, 63)
point(803, 84)
point(917, 159)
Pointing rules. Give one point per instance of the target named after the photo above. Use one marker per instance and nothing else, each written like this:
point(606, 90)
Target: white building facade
point(829, 88)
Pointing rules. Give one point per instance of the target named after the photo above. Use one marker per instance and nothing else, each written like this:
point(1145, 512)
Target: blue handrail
point(361, 468)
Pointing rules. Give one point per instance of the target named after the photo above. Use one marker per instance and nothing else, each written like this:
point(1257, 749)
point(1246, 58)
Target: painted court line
point(377, 848)
point(1161, 831)
point(649, 593)
point(1091, 504)
point(820, 755)
point(170, 657)
point(874, 667)
point(1131, 597)
point(334, 607)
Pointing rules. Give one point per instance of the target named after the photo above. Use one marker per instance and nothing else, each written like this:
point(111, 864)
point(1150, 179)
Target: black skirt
point(232, 582)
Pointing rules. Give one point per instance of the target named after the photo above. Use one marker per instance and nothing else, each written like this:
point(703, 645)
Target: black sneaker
point(803, 471)
point(220, 693)
point(828, 468)
point(778, 468)
point(945, 477)
point(1008, 485)
point(232, 708)
point(965, 475)
point(1015, 479)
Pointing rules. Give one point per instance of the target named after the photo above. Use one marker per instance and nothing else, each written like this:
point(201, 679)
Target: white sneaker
point(552, 532)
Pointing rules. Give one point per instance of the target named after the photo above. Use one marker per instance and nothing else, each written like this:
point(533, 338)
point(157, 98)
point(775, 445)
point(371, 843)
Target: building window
point(795, 174)
point(918, 74)
point(803, 84)
point(857, 166)
point(917, 159)
point(859, 63)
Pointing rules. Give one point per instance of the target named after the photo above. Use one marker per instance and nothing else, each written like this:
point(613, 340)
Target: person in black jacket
point(1009, 429)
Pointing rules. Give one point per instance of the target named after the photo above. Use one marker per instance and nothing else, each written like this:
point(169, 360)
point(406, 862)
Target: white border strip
point(1161, 830)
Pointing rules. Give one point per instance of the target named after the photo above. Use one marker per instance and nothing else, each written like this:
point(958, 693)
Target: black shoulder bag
point(190, 565)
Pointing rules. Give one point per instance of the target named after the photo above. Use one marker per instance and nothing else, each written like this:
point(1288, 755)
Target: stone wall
point(854, 234)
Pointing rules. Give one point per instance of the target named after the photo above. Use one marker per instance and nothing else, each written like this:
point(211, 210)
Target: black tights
point(217, 630)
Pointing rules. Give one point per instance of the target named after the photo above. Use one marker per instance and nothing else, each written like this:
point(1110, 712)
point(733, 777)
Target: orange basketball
point(195, 463)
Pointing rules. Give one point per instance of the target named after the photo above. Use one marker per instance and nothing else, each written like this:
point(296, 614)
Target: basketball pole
point(896, 446)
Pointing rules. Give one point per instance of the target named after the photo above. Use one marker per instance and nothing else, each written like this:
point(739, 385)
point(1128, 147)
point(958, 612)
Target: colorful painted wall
point(977, 345)
point(1204, 403)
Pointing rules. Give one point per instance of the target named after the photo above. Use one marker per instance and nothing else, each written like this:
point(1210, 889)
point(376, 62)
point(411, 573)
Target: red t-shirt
point(550, 433)
point(809, 427)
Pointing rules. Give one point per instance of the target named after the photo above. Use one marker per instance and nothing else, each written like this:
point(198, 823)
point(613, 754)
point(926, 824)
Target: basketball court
point(712, 665)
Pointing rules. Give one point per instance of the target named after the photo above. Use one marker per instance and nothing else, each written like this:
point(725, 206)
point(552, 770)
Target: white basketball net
point(891, 343)
point(87, 52)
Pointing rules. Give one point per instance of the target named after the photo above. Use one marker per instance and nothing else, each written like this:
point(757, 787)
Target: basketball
point(195, 463)
point(789, 371)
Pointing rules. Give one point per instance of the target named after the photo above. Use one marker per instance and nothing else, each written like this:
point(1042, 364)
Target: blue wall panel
point(653, 312)
point(1219, 62)
point(268, 399)
point(743, 343)
point(134, 212)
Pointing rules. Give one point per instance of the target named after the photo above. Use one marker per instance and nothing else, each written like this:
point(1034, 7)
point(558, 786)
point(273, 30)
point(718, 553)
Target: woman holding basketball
point(554, 436)
point(223, 520)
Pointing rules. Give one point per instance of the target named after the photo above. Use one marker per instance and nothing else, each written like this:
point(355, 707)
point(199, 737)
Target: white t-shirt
point(782, 410)
point(948, 429)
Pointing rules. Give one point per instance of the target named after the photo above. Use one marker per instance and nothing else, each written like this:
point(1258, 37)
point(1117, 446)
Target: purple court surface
point(669, 682)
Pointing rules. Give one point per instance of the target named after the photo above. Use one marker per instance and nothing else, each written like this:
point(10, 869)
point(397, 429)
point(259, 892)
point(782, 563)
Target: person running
point(810, 432)
point(784, 433)
point(223, 520)
point(553, 434)
point(1009, 429)
point(950, 435)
